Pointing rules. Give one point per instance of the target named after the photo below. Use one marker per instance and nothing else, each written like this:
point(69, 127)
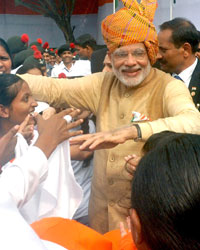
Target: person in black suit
point(178, 43)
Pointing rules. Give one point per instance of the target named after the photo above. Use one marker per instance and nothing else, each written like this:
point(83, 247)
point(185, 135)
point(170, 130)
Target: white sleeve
point(22, 177)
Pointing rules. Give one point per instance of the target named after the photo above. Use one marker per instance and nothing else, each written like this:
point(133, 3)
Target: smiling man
point(140, 99)
point(70, 67)
point(131, 64)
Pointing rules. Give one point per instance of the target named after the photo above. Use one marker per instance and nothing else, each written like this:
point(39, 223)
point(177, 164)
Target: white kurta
point(17, 183)
point(55, 194)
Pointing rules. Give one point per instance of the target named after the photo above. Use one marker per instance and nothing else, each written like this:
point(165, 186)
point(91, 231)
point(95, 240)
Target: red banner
point(81, 7)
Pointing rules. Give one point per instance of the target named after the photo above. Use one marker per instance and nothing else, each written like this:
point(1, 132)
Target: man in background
point(178, 44)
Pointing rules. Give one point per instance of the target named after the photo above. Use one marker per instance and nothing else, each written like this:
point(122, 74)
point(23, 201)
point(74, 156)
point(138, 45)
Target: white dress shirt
point(186, 74)
point(79, 68)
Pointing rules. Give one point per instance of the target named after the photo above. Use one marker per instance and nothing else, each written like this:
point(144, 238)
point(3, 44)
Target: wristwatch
point(139, 133)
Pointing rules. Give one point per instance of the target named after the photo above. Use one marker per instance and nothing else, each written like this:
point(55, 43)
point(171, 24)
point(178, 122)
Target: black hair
point(156, 139)
point(182, 31)
point(166, 193)
point(10, 86)
point(5, 46)
point(86, 40)
point(90, 43)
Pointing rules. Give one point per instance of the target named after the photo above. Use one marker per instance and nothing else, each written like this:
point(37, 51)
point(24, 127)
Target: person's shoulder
point(166, 77)
point(82, 62)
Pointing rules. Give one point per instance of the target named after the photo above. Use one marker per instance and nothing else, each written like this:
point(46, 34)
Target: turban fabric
point(132, 24)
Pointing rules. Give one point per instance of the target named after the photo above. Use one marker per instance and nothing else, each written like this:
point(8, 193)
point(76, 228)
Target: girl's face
point(5, 61)
point(22, 105)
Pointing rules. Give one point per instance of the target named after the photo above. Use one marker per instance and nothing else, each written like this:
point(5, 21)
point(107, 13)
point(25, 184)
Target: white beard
point(131, 81)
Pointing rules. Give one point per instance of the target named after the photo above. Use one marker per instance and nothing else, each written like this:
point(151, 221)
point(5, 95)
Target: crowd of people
point(110, 159)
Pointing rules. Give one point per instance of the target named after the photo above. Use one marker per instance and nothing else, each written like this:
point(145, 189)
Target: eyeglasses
point(138, 54)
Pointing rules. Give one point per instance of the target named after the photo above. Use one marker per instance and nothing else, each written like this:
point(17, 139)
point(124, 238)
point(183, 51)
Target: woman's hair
point(10, 85)
point(156, 139)
point(5, 46)
point(166, 193)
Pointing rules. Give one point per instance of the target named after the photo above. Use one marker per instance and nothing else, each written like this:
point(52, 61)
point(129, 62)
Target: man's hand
point(7, 145)
point(103, 140)
point(55, 130)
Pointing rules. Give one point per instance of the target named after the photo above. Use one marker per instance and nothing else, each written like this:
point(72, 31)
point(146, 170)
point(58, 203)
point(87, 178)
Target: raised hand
point(7, 145)
point(55, 130)
point(27, 127)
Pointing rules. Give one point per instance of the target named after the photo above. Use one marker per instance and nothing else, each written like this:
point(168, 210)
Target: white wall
point(189, 9)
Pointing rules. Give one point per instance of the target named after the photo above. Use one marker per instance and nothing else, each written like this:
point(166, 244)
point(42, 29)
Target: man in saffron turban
point(133, 102)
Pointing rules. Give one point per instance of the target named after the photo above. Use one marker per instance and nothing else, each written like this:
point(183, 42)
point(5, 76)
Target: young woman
point(58, 194)
point(16, 102)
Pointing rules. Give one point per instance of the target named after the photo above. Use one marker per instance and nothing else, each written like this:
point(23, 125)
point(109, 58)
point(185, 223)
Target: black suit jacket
point(194, 86)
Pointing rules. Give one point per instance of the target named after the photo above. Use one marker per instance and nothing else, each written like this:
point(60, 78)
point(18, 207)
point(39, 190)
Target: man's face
point(67, 57)
point(52, 60)
point(82, 52)
point(169, 57)
point(46, 57)
point(107, 66)
point(131, 64)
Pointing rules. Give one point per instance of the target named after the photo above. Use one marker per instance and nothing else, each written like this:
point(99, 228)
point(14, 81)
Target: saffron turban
point(132, 24)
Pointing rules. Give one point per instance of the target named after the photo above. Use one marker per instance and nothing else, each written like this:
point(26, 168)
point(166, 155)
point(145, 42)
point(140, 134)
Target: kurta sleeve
point(83, 93)
point(179, 111)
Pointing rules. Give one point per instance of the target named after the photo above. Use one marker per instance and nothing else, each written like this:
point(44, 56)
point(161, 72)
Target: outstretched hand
point(105, 140)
